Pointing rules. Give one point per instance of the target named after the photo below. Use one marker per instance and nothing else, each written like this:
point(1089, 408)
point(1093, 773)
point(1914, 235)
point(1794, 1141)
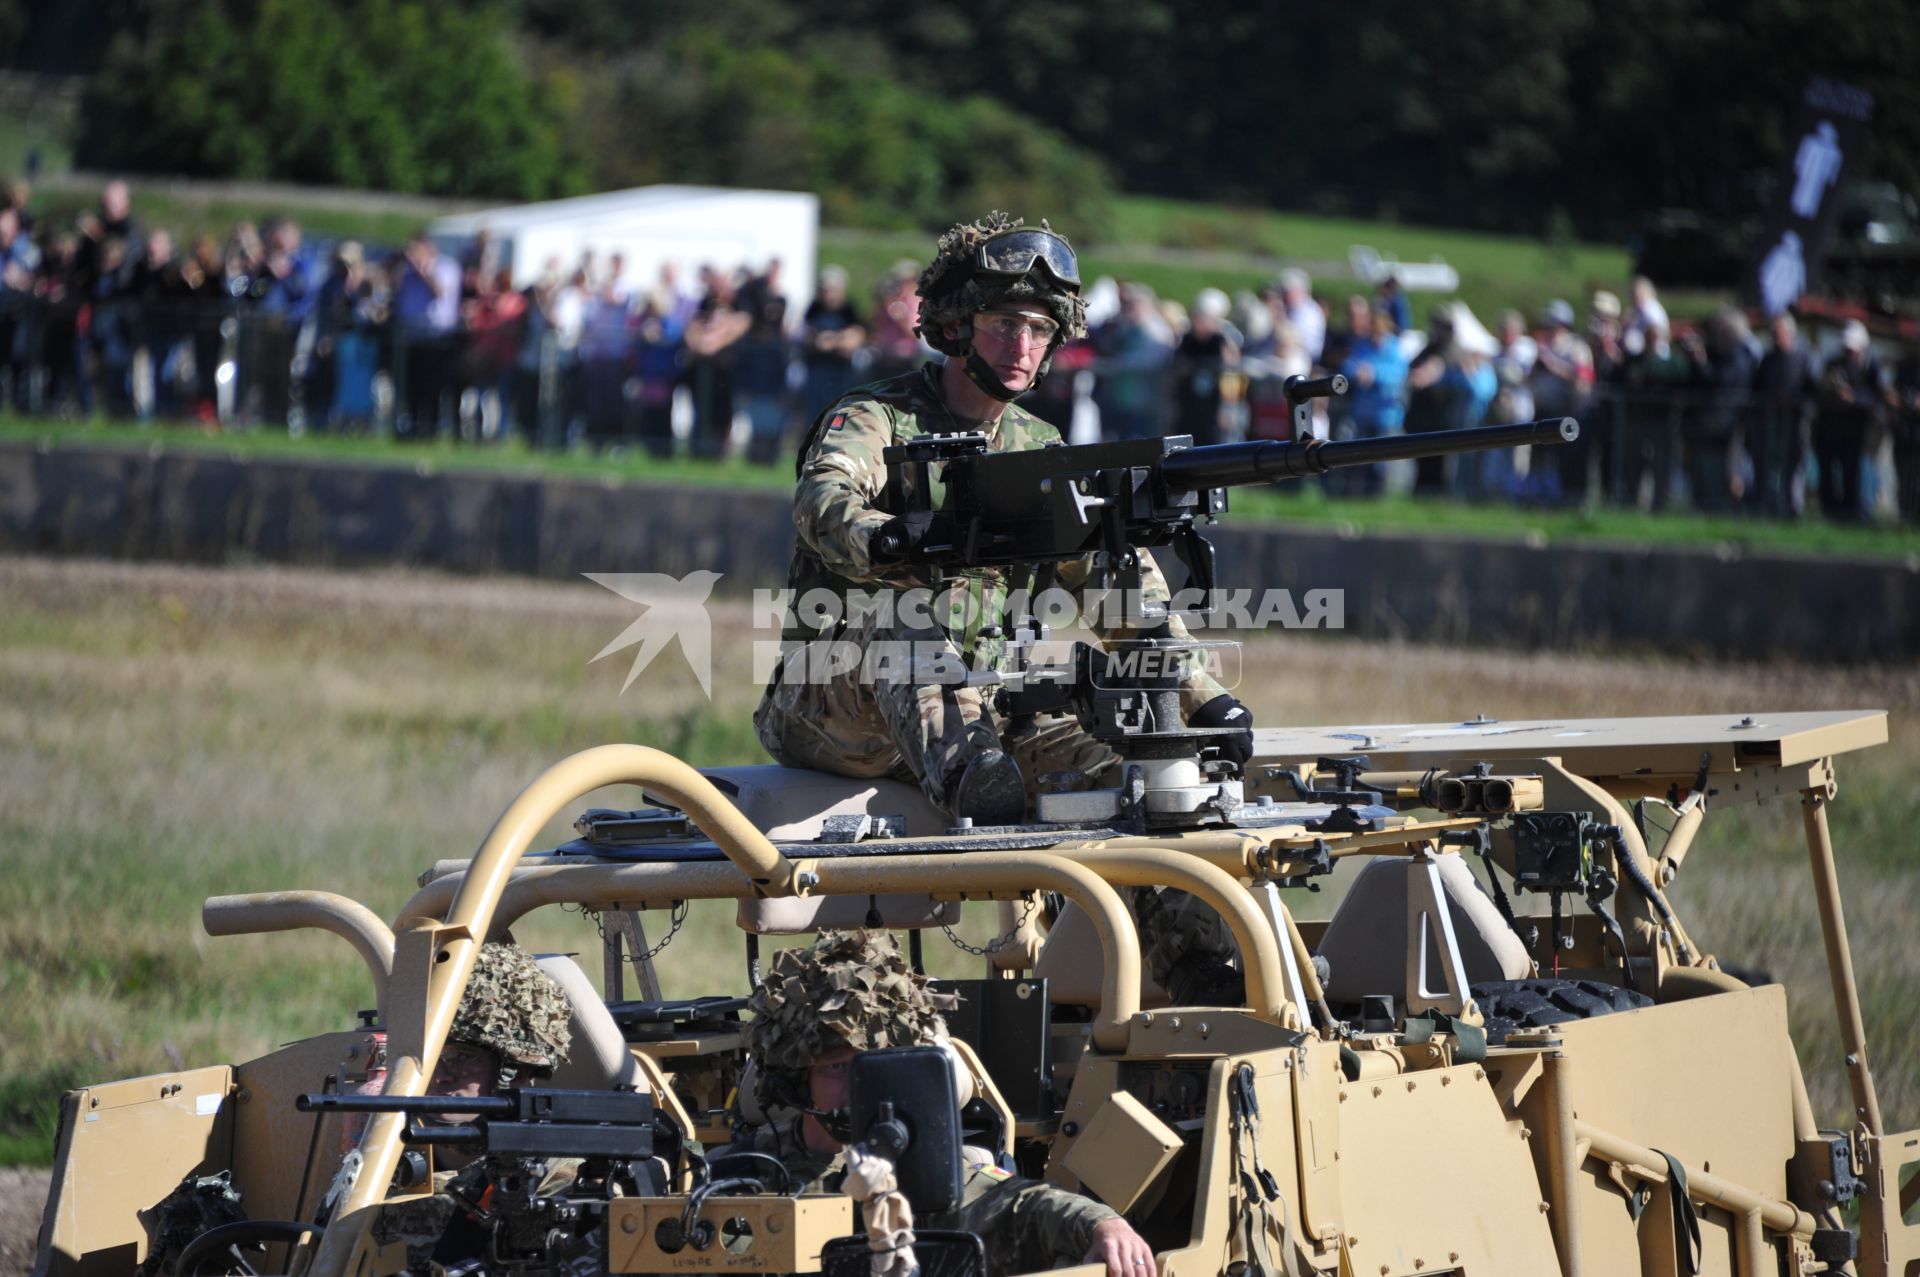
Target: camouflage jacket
point(843, 494)
point(1027, 1226)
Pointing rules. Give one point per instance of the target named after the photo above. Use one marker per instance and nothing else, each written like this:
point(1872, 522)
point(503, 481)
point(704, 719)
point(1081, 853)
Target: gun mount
point(1108, 501)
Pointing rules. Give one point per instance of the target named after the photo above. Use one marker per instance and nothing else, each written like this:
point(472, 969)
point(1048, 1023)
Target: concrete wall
point(211, 509)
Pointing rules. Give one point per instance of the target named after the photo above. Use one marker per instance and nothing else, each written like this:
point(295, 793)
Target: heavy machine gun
point(1108, 501)
point(496, 1214)
point(1048, 505)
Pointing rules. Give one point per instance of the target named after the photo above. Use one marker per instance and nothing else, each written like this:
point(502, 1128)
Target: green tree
point(394, 94)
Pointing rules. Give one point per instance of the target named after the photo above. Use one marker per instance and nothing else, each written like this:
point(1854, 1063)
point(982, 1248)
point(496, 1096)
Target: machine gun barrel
point(415, 1105)
point(1227, 465)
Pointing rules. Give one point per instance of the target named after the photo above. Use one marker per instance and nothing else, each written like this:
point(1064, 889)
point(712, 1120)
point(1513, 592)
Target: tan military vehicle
point(1520, 1059)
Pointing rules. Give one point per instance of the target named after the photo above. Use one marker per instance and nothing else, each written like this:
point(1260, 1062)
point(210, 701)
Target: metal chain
point(993, 946)
point(676, 920)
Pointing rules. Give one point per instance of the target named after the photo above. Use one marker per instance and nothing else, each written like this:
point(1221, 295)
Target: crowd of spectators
point(1709, 415)
point(108, 316)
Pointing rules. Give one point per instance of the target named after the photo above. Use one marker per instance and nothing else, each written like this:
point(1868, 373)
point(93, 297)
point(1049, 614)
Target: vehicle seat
point(1366, 940)
point(600, 1059)
point(793, 803)
point(1072, 965)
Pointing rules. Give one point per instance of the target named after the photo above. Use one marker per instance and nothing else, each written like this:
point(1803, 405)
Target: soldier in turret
point(998, 301)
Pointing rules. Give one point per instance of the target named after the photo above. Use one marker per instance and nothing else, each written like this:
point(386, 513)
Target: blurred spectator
point(1718, 471)
point(760, 372)
point(340, 374)
point(1133, 352)
point(657, 365)
point(20, 200)
point(1435, 400)
point(1376, 373)
point(496, 322)
point(605, 339)
point(199, 292)
point(242, 262)
point(282, 301)
point(158, 330)
point(1477, 476)
point(58, 352)
point(1784, 388)
point(1562, 385)
point(112, 222)
point(713, 337)
point(1303, 312)
point(831, 337)
point(111, 317)
point(896, 348)
point(1605, 337)
point(426, 310)
point(1512, 364)
point(19, 259)
point(1204, 355)
point(1391, 300)
point(1648, 315)
point(1652, 421)
point(1852, 397)
point(1267, 361)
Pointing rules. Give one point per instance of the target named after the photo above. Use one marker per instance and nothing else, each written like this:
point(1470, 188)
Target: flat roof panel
point(1593, 746)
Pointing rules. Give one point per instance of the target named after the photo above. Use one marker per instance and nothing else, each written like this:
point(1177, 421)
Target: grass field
point(172, 733)
point(1304, 502)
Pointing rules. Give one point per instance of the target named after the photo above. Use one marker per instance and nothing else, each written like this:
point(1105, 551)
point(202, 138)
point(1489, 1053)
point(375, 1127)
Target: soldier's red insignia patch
point(838, 419)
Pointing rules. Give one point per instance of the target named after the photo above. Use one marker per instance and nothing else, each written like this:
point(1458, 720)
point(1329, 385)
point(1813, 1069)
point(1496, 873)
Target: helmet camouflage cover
point(513, 1007)
point(951, 292)
point(851, 988)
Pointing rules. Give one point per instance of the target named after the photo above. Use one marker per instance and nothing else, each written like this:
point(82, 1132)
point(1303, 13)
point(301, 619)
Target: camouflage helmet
point(514, 1008)
point(850, 988)
point(954, 287)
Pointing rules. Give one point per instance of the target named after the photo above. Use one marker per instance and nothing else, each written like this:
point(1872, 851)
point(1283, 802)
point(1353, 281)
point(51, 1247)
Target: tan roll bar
point(292, 910)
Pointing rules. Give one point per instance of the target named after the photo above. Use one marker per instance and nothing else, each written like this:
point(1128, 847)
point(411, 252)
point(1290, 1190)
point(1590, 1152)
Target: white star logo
point(675, 607)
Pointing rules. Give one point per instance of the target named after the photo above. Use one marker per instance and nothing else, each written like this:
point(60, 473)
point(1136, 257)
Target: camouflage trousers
point(876, 719)
point(854, 724)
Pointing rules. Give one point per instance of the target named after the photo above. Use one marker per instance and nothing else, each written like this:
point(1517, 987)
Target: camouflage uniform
point(854, 988)
point(1027, 1226)
point(853, 725)
point(856, 725)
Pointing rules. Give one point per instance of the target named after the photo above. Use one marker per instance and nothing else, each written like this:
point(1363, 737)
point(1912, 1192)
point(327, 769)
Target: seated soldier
point(512, 1027)
point(513, 1021)
point(853, 991)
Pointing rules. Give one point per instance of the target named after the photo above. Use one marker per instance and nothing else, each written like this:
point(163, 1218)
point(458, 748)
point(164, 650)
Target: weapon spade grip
point(1300, 389)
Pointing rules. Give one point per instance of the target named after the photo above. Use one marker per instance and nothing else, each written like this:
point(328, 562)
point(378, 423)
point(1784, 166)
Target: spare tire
point(1533, 1004)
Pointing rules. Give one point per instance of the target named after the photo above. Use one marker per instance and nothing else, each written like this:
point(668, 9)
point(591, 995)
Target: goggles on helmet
point(1014, 253)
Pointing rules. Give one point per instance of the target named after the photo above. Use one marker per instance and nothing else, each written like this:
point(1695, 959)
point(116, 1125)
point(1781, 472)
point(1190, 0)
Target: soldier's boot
point(988, 790)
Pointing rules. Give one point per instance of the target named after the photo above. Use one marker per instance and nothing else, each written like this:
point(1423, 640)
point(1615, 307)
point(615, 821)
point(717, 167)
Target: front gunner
point(998, 301)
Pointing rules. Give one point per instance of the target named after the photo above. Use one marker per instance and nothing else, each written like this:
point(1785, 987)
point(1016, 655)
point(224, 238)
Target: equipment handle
point(1300, 389)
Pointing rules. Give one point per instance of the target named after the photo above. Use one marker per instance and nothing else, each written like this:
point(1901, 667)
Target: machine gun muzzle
point(1230, 465)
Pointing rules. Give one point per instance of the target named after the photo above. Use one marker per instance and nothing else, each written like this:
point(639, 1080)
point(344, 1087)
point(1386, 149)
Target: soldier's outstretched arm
point(842, 476)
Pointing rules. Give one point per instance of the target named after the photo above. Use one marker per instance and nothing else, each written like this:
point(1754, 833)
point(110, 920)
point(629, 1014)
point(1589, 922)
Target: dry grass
point(170, 733)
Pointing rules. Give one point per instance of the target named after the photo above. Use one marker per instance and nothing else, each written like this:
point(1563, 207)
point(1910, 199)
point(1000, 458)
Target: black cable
point(1644, 885)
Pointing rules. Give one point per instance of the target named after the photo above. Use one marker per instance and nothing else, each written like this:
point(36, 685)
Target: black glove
point(1224, 711)
point(900, 539)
